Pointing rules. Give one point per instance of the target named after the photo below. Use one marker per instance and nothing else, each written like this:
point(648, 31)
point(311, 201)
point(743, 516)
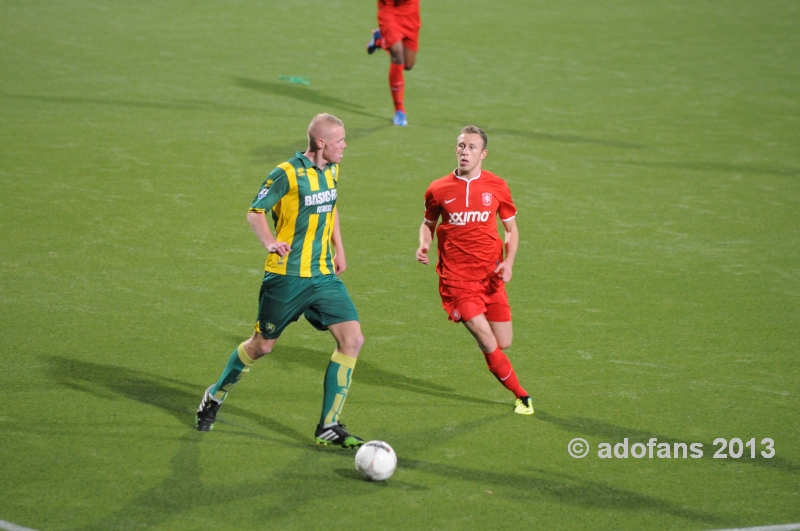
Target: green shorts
point(283, 299)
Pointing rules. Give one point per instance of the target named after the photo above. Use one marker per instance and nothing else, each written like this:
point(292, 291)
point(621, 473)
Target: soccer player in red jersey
point(472, 269)
point(397, 33)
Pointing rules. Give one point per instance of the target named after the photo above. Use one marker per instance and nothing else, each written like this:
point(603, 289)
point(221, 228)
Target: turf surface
point(652, 149)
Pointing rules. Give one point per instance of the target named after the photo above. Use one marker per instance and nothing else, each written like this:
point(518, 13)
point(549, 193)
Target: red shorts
point(397, 27)
point(463, 300)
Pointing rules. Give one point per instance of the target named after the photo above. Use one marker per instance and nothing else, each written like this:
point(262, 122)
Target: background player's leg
point(397, 82)
point(409, 57)
point(496, 359)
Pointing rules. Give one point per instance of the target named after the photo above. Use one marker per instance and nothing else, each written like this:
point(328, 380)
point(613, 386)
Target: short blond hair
point(475, 130)
point(324, 119)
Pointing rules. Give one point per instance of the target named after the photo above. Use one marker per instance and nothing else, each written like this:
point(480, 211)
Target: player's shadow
point(565, 139)
point(275, 154)
point(723, 167)
point(613, 434)
point(190, 106)
point(304, 94)
point(178, 398)
point(368, 372)
point(561, 488)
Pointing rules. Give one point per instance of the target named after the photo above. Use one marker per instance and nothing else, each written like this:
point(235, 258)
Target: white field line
point(8, 526)
point(782, 527)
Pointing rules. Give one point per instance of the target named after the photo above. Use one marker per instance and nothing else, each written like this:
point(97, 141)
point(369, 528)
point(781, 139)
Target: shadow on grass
point(298, 482)
point(370, 373)
point(613, 434)
point(563, 489)
point(277, 154)
point(566, 139)
point(193, 106)
point(304, 94)
point(723, 167)
point(178, 398)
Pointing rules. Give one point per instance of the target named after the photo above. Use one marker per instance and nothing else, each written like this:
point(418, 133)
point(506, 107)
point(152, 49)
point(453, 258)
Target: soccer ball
point(376, 461)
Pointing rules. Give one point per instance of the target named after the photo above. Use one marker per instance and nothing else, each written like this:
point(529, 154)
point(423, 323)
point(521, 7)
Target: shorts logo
point(462, 218)
point(456, 315)
point(487, 199)
point(269, 328)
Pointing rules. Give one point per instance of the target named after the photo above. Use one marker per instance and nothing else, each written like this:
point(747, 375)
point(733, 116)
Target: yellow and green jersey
point(302, 199)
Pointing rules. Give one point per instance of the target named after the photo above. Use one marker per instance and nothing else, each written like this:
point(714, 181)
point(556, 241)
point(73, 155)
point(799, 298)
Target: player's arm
point(258, 222)
point(268, 196)
point(426, 231)
point(339, 262)
point(511, 245)
point(428, 227)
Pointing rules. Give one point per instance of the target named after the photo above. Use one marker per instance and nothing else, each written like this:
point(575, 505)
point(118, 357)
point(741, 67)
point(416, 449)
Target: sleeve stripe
point(429, 221)
point(509, 219)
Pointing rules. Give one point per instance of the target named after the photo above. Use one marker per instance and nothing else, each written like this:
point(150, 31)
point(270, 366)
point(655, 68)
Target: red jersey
point(400, 6)
point(469, 246)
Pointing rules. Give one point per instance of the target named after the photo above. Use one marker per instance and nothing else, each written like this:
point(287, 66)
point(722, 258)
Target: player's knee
point(258, 348)
point(503, 344)
point(409, 66)
point(352, 343)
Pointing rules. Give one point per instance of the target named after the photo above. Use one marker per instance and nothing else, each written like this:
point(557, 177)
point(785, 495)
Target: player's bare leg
point(338, 376)
point(490, 335)
point(409, 58)
point(348, 338)
point(503, 333)
point(481, 330)
point(258, 346)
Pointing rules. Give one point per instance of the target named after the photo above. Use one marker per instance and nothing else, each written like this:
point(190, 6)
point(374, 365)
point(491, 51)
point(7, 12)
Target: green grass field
point(653, 149)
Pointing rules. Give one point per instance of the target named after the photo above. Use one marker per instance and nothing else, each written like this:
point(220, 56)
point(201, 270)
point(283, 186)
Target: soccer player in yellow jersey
point(305, 257)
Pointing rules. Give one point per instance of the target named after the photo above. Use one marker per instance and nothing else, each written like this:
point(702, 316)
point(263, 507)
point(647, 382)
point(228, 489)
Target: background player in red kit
point(472, 269)
point(398, 33)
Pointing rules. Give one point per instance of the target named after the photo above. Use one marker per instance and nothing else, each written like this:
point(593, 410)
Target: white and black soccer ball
point(376, 461)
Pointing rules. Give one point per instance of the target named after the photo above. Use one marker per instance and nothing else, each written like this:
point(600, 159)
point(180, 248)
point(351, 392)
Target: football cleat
point(375, 42)
point(207, 412)
point(337, 435)
point(524, 406)
point(400, 119)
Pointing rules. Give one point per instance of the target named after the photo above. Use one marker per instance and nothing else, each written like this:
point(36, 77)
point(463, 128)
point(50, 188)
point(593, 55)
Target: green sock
point(337, 383)
point(238, 365)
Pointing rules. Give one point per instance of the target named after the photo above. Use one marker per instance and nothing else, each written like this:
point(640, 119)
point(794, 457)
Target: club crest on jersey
point(462, 218)
point(301, 172)
point(487, 198)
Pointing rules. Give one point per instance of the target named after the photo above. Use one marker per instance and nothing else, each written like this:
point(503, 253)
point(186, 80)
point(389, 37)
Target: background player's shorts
point(399, 27)
point(463, 300)
point(283, 299)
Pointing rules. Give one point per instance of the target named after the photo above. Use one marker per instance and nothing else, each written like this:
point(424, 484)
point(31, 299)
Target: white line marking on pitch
point(782, 527)
point(8, 526)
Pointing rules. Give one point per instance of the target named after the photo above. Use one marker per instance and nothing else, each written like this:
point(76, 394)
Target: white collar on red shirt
point(457, 176)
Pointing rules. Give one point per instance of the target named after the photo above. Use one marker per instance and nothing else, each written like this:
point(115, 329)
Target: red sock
point(501, 367)
point(397, 85)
